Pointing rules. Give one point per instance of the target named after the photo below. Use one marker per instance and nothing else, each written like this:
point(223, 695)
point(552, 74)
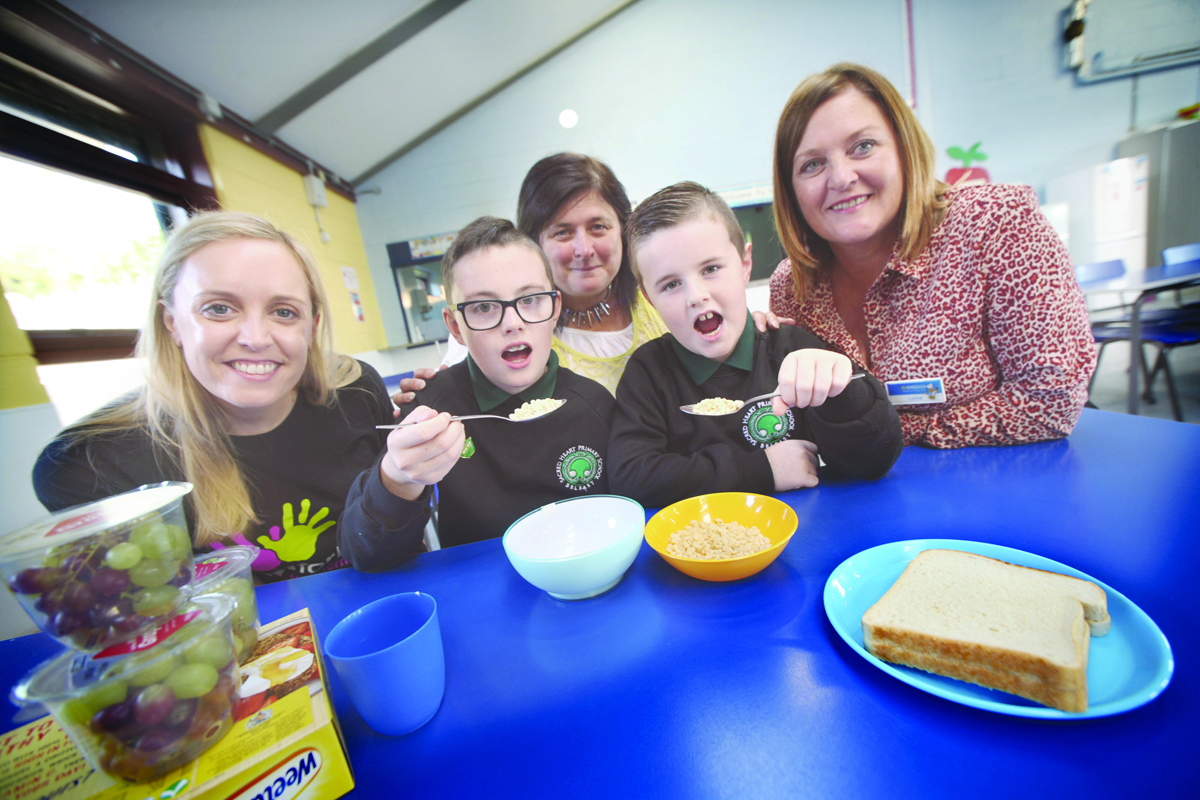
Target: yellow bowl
point(774, 519)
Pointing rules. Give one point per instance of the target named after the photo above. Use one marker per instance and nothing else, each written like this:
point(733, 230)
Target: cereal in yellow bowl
point(710, 518)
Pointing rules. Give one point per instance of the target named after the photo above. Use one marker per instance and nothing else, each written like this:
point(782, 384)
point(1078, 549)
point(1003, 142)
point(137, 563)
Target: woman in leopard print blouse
point(913, 279)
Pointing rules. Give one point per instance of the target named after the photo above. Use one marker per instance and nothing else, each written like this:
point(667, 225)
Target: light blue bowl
point(577, 548)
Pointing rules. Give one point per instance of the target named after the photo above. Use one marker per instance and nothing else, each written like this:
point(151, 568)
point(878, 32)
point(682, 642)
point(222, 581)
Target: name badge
point(916, 392)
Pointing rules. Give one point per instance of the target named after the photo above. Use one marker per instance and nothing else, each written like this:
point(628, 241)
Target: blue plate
point(1127, 668)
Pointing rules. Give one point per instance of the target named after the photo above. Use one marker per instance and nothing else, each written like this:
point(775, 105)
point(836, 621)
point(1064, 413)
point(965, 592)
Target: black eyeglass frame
point(505, 305)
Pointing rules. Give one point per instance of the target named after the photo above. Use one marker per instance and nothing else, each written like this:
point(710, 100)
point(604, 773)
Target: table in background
point(1150, 282)
point(669, 687)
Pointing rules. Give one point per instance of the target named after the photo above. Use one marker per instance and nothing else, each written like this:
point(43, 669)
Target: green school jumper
point(507, 469)
point(660, 455)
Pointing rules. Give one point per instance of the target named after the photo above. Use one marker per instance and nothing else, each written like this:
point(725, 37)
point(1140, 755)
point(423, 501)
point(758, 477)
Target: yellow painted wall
point(246, 180)
point(19, 384)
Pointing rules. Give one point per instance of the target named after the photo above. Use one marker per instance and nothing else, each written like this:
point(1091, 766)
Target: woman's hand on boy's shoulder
point(767, 319)
point(811, 376)
point(410, 386)
point(420, 455)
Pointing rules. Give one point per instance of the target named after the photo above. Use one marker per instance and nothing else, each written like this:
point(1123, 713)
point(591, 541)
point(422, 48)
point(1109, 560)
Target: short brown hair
point(481, 234)
point(553, 183)
point(673, 206)
point(923, 202)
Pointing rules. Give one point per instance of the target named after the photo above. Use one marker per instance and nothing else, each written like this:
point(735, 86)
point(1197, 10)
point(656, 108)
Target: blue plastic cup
point(389, 656)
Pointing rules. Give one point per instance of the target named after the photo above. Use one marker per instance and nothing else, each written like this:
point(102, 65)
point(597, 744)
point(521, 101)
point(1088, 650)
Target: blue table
point(669, 687)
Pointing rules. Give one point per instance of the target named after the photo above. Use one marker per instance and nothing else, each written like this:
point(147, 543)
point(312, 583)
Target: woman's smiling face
point(242, 313)
point(847, 174)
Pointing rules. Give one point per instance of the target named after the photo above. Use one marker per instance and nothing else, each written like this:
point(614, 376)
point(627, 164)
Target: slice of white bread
point(978, 619)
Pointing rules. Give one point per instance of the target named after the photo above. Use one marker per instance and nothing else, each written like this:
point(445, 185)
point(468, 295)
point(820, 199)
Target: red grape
point(109, 581)
point(67, 622)
point(159, 738)
point(181, 714)
point(35, 580)
point(113, 718)
point(50, 603)
point(153, 704)
point(79, 597)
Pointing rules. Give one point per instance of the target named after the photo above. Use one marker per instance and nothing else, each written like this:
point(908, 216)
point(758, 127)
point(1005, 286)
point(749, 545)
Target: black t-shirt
point(298, 473)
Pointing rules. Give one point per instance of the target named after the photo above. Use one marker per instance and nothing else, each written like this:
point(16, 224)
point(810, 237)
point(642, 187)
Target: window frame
point(50, 39)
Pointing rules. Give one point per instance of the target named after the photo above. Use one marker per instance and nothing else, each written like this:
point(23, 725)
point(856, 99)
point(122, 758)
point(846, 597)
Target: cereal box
point(285, 744)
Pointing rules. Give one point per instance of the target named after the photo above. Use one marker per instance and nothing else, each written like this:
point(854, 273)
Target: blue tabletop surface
point(670, 687)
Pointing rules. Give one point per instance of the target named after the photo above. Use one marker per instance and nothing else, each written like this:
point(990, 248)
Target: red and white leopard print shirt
point(991, 306)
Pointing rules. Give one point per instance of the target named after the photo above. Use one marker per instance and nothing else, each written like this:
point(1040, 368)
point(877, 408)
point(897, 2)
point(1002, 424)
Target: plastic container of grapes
point(227, 571)
point(143, 707)
point(99, 573)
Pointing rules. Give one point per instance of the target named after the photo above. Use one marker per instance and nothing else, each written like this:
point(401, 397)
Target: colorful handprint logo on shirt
point(265, 561)
point(297, 541)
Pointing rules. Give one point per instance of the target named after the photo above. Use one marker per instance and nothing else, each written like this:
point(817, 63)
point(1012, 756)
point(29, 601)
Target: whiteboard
point(1124, 37)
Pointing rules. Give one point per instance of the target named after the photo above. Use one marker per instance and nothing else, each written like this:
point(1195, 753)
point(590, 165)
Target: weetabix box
point(285, 745)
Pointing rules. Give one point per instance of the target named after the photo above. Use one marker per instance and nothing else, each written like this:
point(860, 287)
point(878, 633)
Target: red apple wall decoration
point(966, 174)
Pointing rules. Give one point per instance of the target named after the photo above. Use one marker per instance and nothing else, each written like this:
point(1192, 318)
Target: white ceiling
point(352, 84)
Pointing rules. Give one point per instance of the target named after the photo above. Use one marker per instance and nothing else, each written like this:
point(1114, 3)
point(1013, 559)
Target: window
point(95, 168)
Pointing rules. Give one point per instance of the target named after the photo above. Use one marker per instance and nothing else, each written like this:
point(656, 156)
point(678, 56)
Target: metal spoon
point(473, 416)
point(690, 408)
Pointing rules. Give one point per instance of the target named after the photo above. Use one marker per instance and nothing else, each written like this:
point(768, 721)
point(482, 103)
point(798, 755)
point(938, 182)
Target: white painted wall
point(691, 89)
point(24, 431)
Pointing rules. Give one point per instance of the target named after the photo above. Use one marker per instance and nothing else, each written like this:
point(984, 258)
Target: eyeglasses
point(483, 315)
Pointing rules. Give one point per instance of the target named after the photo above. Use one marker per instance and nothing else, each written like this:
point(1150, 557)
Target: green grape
point(123, 556)
point(244, 595)
point(77, 711)
point(245, 642)
point(152, 672)
point(212, 649)
point(107, 695)
point(151, 572)
point(181, 543)
point(192, 680)
point(155, 601)
point(153, 538)
point(242, 619)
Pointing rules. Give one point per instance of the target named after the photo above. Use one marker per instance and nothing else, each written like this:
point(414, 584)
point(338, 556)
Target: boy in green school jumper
point(693, 264)
point(503, 307)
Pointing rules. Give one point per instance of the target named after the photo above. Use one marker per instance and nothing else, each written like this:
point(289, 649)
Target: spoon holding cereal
point(530, 410)
point(719, 406)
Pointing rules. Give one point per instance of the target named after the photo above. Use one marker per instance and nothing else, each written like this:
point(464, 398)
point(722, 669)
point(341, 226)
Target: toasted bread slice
point(978, 619)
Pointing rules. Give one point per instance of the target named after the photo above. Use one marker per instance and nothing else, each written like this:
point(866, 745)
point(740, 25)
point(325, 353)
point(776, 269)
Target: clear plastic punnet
point(227, 571)
point(96, 574)
point(140, 708)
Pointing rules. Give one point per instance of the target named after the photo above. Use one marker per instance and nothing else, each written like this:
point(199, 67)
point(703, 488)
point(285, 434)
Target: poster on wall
point(350, 278)
point(428, 246)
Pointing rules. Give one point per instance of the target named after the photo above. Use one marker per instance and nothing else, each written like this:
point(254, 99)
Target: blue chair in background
point(1178, 255)
point(1181, 253)
point(1165, 329)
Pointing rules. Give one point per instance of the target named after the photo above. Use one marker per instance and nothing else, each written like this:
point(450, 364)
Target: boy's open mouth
point(708, 322)
point(517, 352)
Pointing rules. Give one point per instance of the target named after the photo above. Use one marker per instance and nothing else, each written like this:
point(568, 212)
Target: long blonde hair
point(182, 418)
point(923, 200)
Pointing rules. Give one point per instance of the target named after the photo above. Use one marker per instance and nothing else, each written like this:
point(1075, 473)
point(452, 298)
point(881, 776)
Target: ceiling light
point(568, 118)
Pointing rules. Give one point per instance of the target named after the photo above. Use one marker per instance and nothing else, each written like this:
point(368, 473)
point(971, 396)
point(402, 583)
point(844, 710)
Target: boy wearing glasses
point(490, 472)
